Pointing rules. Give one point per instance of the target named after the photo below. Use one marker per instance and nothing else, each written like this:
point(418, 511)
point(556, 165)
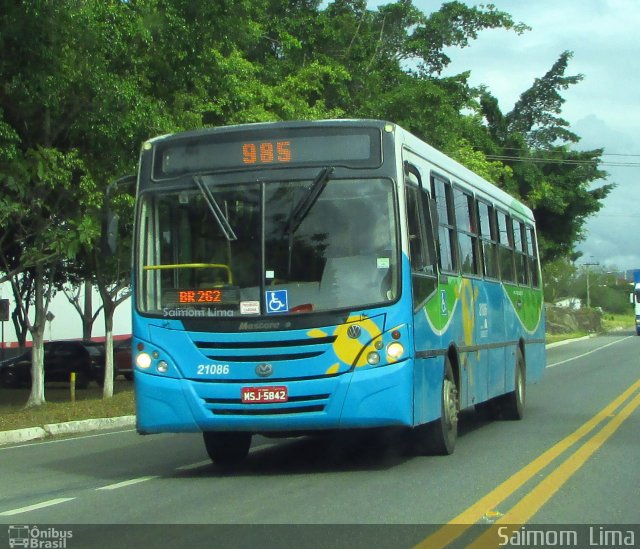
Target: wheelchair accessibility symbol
point(277, 301)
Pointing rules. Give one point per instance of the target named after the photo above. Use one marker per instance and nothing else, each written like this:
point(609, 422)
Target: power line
point(538, 160)
point(550, 151)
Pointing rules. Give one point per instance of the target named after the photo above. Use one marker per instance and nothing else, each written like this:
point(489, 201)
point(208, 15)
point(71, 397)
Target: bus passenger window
point(505, 248)
point(466, 231)
point(520, 252)
point(488, 239)
point(446, 230)
point(532, 256)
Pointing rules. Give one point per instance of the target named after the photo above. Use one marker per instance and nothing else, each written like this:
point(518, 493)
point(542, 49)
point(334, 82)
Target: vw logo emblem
point(354, 331)
point(264, 370)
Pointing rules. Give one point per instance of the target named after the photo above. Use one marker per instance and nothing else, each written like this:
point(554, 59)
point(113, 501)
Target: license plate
point(264, 395)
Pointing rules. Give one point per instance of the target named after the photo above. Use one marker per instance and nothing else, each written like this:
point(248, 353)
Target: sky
point(603, 109)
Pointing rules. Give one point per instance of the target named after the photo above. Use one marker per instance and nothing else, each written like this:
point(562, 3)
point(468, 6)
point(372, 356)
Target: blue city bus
point(298, 277)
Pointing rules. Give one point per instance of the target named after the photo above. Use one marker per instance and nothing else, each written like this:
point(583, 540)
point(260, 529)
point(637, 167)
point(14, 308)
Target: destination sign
point(350, 147)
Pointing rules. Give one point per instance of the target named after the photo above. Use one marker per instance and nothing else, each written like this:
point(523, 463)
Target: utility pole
point(587, 265)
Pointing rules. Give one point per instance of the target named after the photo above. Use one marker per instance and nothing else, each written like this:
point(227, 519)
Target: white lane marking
point(194, 465)
point(34, 507)
point(126, 483)
point(69, 439)
point(588, 352)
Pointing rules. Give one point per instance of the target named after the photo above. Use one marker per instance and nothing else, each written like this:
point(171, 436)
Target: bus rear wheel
point(511, 405)
point(227, 448)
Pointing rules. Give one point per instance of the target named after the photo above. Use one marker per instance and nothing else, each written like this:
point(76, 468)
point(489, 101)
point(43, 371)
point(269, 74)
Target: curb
point(69, 427)
point(570, 340)
point(22, 435)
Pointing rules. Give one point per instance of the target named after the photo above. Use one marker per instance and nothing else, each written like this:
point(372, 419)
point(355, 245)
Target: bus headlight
point(395, 350)
point(162, 367)
point(143, 361)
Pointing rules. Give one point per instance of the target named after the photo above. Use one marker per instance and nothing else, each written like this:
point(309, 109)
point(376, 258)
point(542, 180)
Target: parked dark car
point(122, 358)
point(60, 359)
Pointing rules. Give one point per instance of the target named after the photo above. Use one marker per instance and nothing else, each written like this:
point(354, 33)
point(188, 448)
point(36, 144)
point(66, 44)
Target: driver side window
point(422, 270)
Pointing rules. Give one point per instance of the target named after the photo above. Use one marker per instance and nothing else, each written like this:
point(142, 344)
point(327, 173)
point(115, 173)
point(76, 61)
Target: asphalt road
point(567, 472)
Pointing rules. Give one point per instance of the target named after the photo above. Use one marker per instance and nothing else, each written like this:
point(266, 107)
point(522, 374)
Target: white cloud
point(602, 109)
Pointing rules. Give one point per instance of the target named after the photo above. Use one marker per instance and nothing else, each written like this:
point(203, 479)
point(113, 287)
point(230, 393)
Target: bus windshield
point(264, 248)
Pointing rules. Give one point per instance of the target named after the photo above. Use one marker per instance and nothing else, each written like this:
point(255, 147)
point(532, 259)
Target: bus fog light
point(373, 358)
point(395, 350)
point(143, 360)
point(162, 367)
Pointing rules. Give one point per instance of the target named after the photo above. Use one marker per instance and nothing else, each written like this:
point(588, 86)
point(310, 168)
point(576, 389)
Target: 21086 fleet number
point(213, 369)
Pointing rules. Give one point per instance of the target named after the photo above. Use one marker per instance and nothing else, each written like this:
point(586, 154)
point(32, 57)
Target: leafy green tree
point(84, 84)
point(555, 180)
point(559, 279)
point(73, 112)
point(42, 204)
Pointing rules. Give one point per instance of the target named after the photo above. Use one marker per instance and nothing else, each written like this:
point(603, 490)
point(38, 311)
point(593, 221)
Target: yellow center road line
point(460, 524)
point(530, 504)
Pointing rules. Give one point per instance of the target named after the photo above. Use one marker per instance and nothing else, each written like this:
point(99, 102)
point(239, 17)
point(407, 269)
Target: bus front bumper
point(372, 397)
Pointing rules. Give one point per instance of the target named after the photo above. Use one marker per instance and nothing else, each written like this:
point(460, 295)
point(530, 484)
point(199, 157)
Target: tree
point(559, 279)
point(72, 112)
point(547, 174)
point(42, 206)
point(84, 84)
point(73, 292)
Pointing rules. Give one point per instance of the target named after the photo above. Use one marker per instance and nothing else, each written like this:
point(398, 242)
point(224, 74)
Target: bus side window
point(532, 256)
point(489, 239)
point(423, 279)
point(466, 232)
point(417, 233)
point(448, 256)
point(519, 238)
point(505, 248)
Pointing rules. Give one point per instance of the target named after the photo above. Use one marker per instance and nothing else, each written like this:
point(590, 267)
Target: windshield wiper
point(215, 209)
point(308, 200)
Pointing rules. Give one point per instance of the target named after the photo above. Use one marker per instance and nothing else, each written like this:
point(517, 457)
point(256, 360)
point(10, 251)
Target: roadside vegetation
point(84, 86)
point(90, 404)
point(86, 83)
point(613, 322)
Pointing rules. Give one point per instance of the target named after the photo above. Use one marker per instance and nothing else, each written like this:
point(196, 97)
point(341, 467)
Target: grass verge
point(89, 404)
point(612, 322)
point(554, 338)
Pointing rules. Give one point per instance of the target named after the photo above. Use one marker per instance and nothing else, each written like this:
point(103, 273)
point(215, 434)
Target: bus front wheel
point(439, 437)
point(227, 448)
